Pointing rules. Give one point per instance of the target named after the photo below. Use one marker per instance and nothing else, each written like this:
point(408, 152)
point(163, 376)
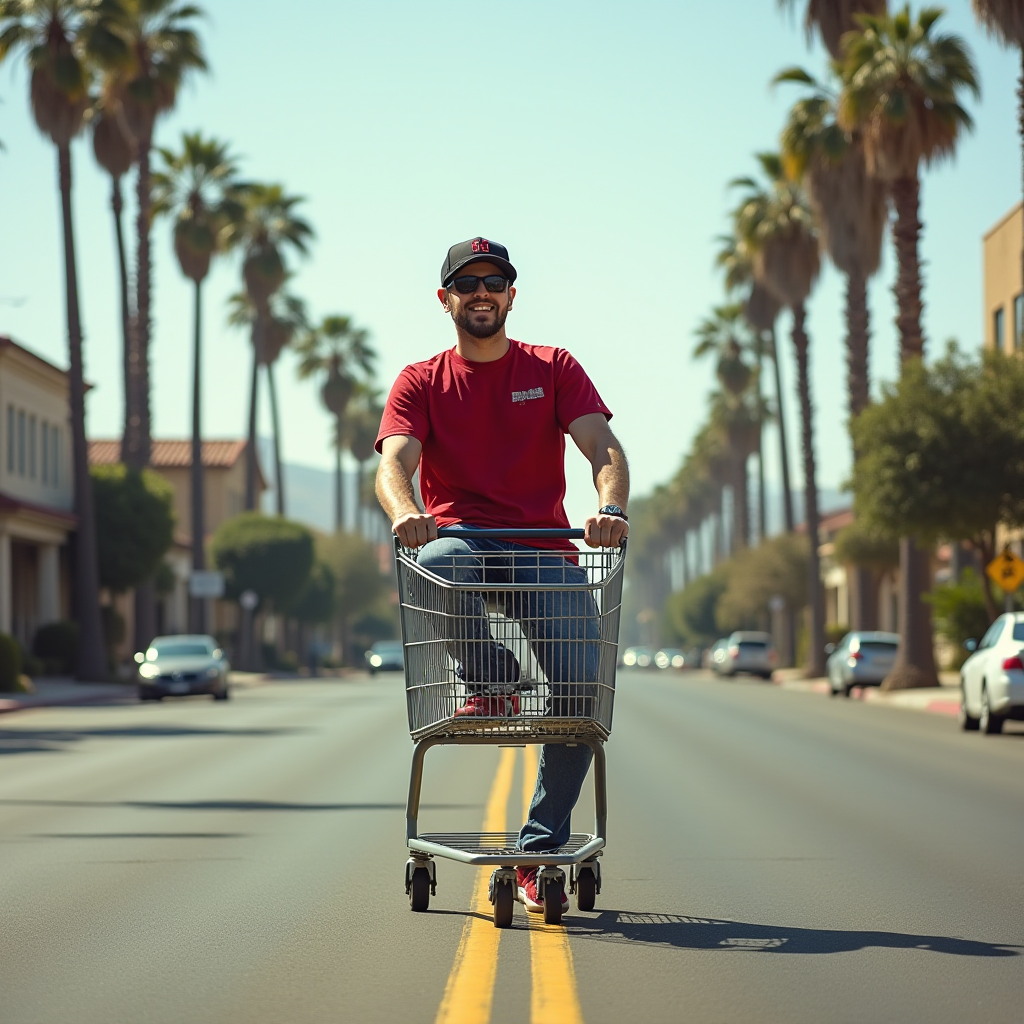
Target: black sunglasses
point(468, 284)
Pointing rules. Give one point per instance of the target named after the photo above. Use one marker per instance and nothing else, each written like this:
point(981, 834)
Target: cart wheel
point(419, 890)
point(503, 900)
point(586, 890)
point(552, 902)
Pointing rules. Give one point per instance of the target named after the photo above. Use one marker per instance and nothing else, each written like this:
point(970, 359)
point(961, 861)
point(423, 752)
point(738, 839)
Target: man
point(485, 424)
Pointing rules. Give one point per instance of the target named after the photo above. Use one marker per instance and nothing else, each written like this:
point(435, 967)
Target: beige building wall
point(223, 495)
point(1004, 305)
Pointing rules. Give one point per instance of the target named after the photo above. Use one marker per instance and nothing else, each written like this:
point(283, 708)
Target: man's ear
point(511, 295)
point(442, 295)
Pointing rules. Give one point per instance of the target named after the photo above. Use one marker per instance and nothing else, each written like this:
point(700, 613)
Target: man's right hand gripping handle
point(414, 529)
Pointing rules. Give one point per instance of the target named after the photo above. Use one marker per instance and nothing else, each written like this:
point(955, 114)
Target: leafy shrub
point(56, 644)
point(958, 608)
point(10, 663)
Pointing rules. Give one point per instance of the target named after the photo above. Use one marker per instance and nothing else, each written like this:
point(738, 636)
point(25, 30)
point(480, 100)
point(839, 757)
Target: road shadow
point(231, 805)
point(674, 932)
point(29, 741)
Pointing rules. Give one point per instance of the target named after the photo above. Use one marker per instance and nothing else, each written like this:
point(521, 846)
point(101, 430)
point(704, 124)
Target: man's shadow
point(674, 932)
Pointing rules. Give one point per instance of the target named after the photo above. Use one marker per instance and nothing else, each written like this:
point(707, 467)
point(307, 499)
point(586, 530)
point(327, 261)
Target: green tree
point(1004, 19)
point(360, 582)
point(902, 84)
point(197, 187)
point(267, 230)
point(944, 454)
point(63, 41)
point(361, 426)
point(781, 231)
point(135, 524)
point(961, 608)
point(340, 353)
point(271, 556)
point(832, 19)
point(690, 613)
point(164, 49)
point(318, 600)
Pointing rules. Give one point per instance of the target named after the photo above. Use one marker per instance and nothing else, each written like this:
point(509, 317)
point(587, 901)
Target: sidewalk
point(62, 691)
point(938, 700)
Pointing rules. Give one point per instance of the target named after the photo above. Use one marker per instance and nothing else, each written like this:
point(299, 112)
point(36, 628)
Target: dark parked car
point(177, 666)
point(385, 656)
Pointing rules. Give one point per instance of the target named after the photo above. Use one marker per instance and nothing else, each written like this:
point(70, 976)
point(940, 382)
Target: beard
point(485, 329)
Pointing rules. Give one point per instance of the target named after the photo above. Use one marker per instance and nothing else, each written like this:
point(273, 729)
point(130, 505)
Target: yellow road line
point(470, 990)
point(554, 999)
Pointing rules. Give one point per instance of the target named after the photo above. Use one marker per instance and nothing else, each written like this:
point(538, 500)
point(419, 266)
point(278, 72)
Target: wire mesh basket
point(526, 638)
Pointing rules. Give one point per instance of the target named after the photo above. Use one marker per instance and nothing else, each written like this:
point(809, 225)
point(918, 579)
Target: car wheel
point(224, 694)
point(147, 693)
point(989, 722)
point(967, 721)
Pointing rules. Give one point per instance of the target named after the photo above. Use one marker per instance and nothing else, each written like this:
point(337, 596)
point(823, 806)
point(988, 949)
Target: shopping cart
point(556, 613)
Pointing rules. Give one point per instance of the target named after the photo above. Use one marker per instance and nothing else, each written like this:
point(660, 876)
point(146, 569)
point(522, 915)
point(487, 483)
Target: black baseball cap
point(473, 251)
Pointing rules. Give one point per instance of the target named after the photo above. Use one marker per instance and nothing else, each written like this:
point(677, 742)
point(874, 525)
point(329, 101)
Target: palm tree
point(832, 19)
point(164, 49)
point(361, 426)
point(341, 352)
point(852, 210)
point(779, 226)
point(1005, 20)
point(761, 309)
point(64, 40)
point(197, 187)
point(902, 84)
point(285, 318)
point(268, 227)
point(113, 151)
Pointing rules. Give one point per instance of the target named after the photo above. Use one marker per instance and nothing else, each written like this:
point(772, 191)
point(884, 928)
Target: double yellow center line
point(469, 994)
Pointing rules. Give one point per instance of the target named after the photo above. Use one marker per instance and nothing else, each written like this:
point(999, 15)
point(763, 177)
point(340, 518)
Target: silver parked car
point(860, 659)
point(385, 656)
point(177, 666)
point(746, 652)
point(992, 678)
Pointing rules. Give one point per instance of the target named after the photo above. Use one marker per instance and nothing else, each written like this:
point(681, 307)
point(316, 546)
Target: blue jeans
point(558, 624)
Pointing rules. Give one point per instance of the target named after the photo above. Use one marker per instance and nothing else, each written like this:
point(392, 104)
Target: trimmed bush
point(56, 645)
point(10, 664)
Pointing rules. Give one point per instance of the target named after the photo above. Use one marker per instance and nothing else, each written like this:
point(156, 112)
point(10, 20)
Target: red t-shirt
point(493, 434)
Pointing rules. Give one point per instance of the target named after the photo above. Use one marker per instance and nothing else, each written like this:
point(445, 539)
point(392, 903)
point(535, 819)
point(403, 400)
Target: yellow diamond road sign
point(1006, 571)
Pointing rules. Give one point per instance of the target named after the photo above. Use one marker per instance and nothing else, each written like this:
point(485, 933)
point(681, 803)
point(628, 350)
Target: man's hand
point(603, 531)
point(414, 529)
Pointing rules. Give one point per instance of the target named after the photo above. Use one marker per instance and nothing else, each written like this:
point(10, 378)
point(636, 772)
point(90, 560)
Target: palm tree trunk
point(787, 490)
point(276, 426)
point(250, 453)
point(741, 505)
point(117, 204)
point(915, 658)
point(91, 658)
point(140, 437)
point(815, 595)
point(339, 494)
point(863, 587)
point(197, 609)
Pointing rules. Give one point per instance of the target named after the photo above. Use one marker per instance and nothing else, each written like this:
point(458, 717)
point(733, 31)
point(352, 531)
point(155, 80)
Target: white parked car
point(992, 678)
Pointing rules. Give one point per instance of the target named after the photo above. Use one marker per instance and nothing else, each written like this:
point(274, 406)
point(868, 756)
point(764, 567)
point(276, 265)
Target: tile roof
point(171, 454)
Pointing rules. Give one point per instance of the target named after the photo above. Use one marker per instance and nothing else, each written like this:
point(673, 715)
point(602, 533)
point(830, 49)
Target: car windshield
point(1018, 631)
point(877, 646)
point(195, 649)
point(757, 644)
point(388, 647)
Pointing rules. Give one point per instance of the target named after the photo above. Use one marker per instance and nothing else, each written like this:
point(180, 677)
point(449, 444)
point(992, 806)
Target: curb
point(937, 705)
point(8, 706)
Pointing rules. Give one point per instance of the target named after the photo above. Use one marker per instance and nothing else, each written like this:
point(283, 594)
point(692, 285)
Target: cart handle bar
point(512, 533)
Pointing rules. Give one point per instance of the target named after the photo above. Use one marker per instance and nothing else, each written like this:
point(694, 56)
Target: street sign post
point(206, 584)
point(1006, 570)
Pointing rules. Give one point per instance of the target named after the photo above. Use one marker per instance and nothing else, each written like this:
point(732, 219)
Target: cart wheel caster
point(552, 901)
point(503, 901)
point(419, 890)
point(586, 890)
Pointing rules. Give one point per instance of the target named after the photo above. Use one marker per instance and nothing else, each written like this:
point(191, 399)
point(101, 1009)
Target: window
point(32, 447)
point(11, 446)
point(997, 328)
point(55, 456)
point(44, 452)
point(1018, 323)
point(990, 638)
point(21, 442)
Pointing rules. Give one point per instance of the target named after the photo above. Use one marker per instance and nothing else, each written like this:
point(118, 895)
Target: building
point(1002, 247)
point(36, 492)
point(223, 498)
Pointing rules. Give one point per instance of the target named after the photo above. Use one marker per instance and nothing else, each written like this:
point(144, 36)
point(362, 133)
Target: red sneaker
point(528, 895)
point(489, 707)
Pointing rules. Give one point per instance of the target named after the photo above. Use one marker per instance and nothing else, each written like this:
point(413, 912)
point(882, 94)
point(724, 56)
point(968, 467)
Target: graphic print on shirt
point(526, 396)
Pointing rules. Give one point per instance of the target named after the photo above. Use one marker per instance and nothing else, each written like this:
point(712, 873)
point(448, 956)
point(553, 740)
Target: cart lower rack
point(510, 637)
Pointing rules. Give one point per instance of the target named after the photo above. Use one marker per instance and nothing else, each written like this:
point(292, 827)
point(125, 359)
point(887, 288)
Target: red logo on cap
point(481, 245)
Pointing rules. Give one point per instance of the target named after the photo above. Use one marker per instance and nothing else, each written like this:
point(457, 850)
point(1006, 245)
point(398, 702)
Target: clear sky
point(594, 139)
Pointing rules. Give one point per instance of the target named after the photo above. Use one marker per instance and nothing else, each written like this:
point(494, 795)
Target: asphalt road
point(773, 857)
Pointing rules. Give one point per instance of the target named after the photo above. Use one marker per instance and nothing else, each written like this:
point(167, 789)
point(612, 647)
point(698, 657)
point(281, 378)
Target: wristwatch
point(612, 510)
